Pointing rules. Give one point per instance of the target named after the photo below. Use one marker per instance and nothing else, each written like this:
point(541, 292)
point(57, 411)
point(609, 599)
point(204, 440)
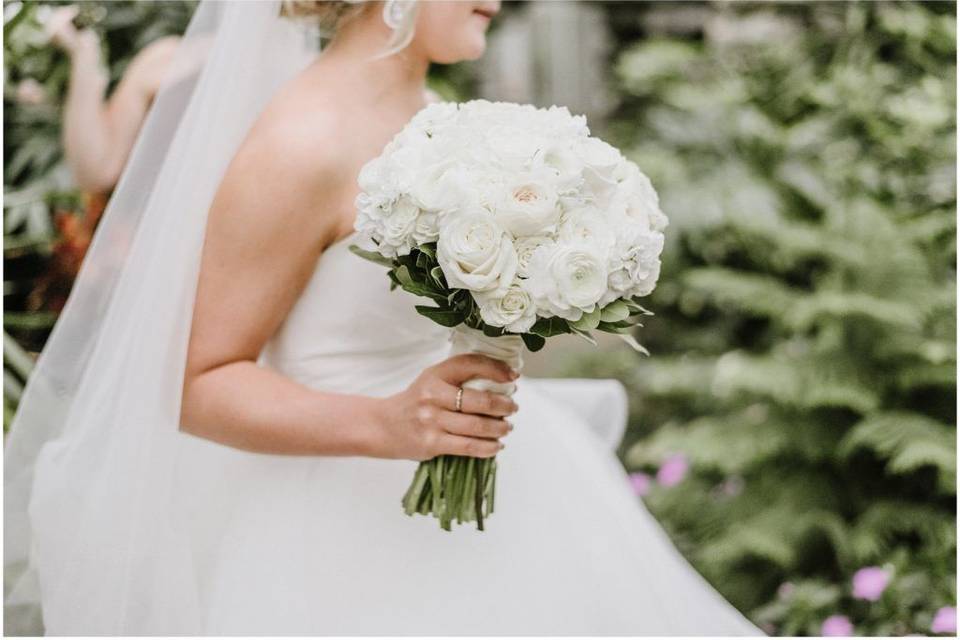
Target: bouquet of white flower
point(519, 226)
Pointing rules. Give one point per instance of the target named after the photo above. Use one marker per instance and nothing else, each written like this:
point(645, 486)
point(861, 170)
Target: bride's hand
point(422, 422)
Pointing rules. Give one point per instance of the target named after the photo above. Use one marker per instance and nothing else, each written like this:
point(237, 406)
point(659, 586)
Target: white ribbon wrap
point(508, 348)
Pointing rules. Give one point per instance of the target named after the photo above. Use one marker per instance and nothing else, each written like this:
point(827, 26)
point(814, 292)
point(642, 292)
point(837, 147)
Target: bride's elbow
point(189, 417)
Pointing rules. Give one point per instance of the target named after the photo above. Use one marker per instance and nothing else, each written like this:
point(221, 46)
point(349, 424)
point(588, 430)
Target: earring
point(396, 12)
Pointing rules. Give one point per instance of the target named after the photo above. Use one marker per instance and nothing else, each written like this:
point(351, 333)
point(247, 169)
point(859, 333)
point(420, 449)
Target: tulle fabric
point(87, 463)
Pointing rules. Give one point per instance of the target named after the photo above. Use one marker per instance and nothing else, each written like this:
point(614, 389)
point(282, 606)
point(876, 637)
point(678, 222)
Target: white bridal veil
point(91, 526)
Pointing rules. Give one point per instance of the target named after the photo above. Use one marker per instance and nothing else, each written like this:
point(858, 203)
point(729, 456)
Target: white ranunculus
point(587, 226)
point(514, 310)
point(475, 253)
point(528, 204)
point(525, 248)
point(567, 280)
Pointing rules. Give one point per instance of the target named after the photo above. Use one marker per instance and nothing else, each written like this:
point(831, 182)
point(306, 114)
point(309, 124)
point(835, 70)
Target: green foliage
point(419, 273)
point(805, 331)
point(36, 183)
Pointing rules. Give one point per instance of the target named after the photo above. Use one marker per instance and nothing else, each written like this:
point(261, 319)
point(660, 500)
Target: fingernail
point(514, 374)
point(509, 426)
point(502, 445)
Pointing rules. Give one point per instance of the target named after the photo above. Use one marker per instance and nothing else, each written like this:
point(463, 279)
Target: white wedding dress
point(116, 523)
point(320, 545)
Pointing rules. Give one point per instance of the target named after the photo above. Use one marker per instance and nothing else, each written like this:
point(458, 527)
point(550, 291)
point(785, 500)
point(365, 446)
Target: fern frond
point(851, 305)
point(907, 441)
point(753, 293)
point(879, 528)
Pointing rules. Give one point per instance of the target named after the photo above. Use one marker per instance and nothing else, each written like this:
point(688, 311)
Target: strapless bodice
point(349, 333)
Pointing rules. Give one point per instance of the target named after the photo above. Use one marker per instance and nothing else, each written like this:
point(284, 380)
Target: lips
point(485, 13)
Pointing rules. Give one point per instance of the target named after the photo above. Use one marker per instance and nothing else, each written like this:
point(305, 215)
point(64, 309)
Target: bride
point(217, 437)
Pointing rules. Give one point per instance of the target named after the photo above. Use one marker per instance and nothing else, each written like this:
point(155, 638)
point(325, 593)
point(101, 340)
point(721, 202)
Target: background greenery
point(804, 344)
point(802, 391)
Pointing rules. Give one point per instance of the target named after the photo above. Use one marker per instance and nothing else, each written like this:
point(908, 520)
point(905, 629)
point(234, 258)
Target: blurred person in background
point(98, 133)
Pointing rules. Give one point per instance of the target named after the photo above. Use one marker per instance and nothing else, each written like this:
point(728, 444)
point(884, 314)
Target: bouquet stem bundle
point(458, 487)
point(453, 488)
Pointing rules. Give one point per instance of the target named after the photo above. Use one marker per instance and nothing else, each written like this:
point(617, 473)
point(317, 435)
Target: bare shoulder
point(288, 164)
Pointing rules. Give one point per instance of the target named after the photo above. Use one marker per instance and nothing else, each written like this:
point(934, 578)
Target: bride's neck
point(353, 52)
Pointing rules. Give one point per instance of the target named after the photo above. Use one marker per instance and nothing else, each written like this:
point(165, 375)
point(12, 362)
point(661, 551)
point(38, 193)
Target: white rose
point(475, 253)
point(567, 280)
point(528, 204)
point(514, 310)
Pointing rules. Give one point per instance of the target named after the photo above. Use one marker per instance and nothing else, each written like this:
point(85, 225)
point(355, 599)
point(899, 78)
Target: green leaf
point(587, 321)
point(372, 256)
point(615, 311)
point(425, 290)
point(403, 275)
point(548, 327)
point(492, 332)
point(616, 327)
point(585, 335)
point(437, 274)
point(533, 341)
point(445, 317)
point(630, 340)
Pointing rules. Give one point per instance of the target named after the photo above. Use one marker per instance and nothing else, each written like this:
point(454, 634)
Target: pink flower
point(836, 626)
point(870, 582)
point(945, 620)
point(786, 590)
point(640, 482)
point(673, 470)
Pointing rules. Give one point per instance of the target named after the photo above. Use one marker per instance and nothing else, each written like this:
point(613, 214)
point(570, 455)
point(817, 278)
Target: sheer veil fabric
point(87, 464)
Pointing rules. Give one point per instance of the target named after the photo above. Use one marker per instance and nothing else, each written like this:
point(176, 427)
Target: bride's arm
point(266, 230)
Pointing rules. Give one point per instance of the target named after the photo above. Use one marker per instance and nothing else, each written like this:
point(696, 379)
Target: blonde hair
point(330, 15)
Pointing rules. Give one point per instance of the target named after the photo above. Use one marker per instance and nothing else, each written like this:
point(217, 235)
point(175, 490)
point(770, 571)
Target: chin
point(469, 48)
